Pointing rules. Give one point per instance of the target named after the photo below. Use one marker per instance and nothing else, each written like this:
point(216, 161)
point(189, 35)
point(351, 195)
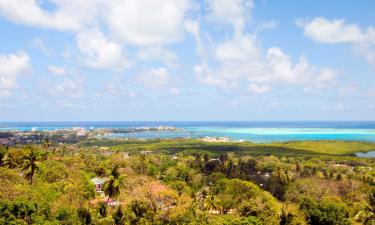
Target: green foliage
point(31, 162)
point(3, 151)
point(84, 216)
point(139, 211)
point(324, 213)
point(21, 212)
point(189, 182)
point(112, 185)
point(118, 216)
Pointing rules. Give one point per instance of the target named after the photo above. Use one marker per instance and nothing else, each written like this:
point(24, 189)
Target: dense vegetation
point(187, 182)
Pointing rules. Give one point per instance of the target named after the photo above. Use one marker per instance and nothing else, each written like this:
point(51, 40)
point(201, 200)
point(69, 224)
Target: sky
point(124, 60)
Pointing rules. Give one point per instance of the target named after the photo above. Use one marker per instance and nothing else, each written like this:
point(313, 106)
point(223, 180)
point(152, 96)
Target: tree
point(112, 185)
point(138, 210)
point(324, 213)
point(10, 161)
point(210, 203)
point(367, 214)
point(84, 215)
point(118, 216)
point(102, 209)
point(143, 163)
point(46, 144)
point(3, 151)
point(31, 161)
point(279, 182)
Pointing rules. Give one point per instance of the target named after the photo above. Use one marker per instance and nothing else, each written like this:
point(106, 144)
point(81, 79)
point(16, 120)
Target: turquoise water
point(286, 134)
point(255, 131)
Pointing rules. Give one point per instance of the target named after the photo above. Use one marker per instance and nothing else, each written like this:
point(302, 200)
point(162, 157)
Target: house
point(99, 183)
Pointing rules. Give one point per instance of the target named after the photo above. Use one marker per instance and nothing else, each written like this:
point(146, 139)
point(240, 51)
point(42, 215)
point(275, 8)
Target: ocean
point(255, 131)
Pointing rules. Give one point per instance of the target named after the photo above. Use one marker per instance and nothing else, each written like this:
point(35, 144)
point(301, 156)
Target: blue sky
point(187, 60)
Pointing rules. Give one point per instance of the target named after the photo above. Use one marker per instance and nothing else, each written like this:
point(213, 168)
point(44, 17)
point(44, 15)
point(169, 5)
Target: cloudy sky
point(187, 60)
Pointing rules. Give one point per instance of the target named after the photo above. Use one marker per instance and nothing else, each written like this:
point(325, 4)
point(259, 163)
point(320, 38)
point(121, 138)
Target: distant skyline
point(180, 60)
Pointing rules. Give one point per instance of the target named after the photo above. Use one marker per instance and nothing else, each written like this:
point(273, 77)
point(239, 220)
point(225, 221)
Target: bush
point(324, 213)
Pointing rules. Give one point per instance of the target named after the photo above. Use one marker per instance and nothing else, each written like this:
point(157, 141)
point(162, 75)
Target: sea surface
point(260, 131)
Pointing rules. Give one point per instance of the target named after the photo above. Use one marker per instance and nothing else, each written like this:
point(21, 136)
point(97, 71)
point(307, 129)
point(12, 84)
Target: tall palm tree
point(31, 161)
point(112, 185)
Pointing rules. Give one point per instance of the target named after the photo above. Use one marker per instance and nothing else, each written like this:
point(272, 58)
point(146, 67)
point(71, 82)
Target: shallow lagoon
point(255, 131)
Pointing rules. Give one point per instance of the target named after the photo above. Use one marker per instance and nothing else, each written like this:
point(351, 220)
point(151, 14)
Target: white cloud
point(147, 22)
point(56, 70)
point(100, 53)
point(12, 66)
point(234, 12)
point(336, 31)
point(139, 22)
point(158, 79)
point(242, 62)
point(67, 16)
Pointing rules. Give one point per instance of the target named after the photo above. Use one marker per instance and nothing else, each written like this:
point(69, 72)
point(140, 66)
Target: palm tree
point(102, 209)
point(3, 151)
point(10, 161)
point(112, 185)
point(210, 203)
point(367, 215)
point(31, 163)
point(46, 144)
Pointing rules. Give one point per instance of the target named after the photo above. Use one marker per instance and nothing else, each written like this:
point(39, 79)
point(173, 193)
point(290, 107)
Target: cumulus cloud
point(140, 22)
point(337, 31)
point(126, 22)
point(100, 53)
point(242, 61)
point(11, 67)
point(67, 15)
point(147, 22)
point(234, 12)
point(334, 31)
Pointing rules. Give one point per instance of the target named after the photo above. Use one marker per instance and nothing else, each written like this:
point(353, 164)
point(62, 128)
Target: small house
point(99, 183)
